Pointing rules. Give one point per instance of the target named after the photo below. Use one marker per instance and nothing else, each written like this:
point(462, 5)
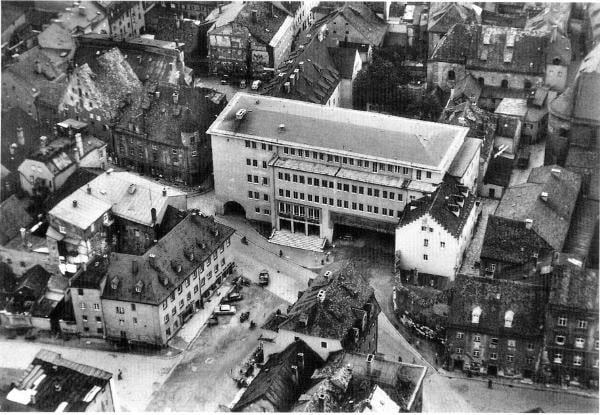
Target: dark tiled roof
point(75, 380)
point(12, 119)
point(92, 276)
point(149, 61)
point(551, 218)
point(509, 241)
point(196, 234)
point(8, 280)
point(499, 171)
point(586, 163)
point(163, 120)
point(436, 205)
point(499, 19)
point(266, 26)
point(495, 297)
point(347, 294)
point(343, 59)
point(527, 55)
point(187, 32)
point(76, 180)
point(13, 217)
point(442, 16)
point(365, 21)
point(584, 225)
point(463, 158)
point(275, 382)
point(171, 218)
point(481, 123)
point(455, 46)
point(35, 279)
point(317, 76)
point(574, 286)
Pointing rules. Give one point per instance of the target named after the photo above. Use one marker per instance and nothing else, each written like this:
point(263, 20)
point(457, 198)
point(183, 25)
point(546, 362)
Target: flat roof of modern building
point(384, 137)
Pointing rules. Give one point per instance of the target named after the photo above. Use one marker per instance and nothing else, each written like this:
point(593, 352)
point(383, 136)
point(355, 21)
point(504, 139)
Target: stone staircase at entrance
point(298, 240)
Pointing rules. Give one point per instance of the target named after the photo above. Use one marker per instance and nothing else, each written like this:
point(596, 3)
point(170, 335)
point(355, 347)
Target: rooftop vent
point(152, 260)
point(555, 172)
point(544, 196)
point(528, 223)
point(164, 191)
point(370, 358)
point(241, 113)
point(74, 203)
point(281, 128)
point(132, 188)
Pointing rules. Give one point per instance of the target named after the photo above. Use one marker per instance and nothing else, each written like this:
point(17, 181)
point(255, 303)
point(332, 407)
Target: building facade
point(572, 324)
point(85, 289)
point(269, 162)
point(148, 298)
point(495, 327)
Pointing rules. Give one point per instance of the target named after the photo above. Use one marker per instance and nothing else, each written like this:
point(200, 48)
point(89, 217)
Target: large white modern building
point(305, 167)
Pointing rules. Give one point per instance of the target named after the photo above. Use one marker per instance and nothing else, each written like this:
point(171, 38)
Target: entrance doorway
point(314, 230)
point(285, 224)
point(234, 208)
point(299, 227)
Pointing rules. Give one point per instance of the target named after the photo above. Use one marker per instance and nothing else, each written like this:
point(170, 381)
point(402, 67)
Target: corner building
point(305, 167)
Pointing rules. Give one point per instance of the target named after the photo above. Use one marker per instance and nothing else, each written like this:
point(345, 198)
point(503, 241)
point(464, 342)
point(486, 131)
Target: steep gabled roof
point(572, 285)
point(499, 171)
point(275, 382)
point(316, 77)
point(347, 294)
point(195, 234)
point(266, 25)
point(551, 217)
point(36, 279)
point(437, 206)
point(365, 21)
point(455, 46)
point(442, 16)
point(13, 217)
point(495, 297)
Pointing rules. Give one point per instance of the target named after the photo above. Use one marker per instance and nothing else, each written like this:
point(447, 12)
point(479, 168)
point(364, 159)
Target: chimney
point(295, 376)
point(81, 10)
point(164, 191)
point(20, 136)
point(89, 189)
point(254, 14)
point(175, 97)
point(287, 87)
point(152, 260)
point(43, 141)
point(544, 196)
point(555, 172)
point(177, 22)
point(134, 267)
point(528, 223)
point(13, 148)
point(153, 215)
point(220, 8)
point(74, 203)
point(23, 232)
point(301, 362)
point(37, 66)
point(76, 155)
point(321, 402)
point(301, 66)
point(79, 143)
point(370, 359)
point(293, 79)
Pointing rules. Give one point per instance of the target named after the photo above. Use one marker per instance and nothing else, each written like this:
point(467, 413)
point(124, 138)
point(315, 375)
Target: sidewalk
point(194, 326)
point(516, 383)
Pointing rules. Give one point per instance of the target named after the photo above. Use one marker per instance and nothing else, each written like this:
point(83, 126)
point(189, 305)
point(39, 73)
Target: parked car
point(263, 277)
point(244, 316)
point(232, 297)
point(225, 309)
point(256, 84)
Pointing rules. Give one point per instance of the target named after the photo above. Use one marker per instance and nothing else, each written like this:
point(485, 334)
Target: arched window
point(508, 318)
point(504, 83)
point(527, 84)
point(481, 81)
point(475, 315)
point(451, 75)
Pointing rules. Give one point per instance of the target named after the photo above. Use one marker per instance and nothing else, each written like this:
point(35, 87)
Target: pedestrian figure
point(120, 375)
point(489, 383)
point(280, 253)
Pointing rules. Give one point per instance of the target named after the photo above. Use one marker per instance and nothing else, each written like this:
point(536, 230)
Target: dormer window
point(508, 318)
point(114, 283)
point(475, 315)
point(139, 287)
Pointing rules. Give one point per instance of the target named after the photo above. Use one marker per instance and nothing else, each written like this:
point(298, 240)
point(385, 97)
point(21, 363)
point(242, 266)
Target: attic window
point(114, 283)
point(475, 315)
point(139, 287)
point(508, 318)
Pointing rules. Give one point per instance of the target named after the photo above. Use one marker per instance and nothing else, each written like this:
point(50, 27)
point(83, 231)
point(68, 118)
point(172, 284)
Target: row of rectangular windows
point(339, 203)
point(344, 160)
point(340, 186)
point(256, 196)
point(256, 179)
